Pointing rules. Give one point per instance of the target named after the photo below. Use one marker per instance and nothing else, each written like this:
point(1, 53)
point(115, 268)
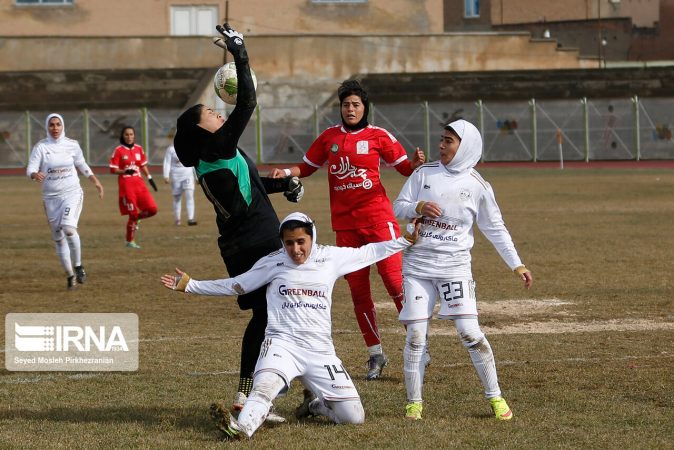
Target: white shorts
point(457, 298)
point(64, 210)
point(179, 185)
point(324, 375)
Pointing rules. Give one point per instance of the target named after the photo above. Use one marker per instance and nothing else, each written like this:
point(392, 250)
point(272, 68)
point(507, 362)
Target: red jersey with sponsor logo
point(128, 158)
point(357, 197)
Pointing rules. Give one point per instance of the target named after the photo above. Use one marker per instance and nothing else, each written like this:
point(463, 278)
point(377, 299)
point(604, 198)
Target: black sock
point(245, 385)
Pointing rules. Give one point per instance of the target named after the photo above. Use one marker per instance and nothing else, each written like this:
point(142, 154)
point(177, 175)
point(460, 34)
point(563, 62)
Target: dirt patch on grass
point(521, 308)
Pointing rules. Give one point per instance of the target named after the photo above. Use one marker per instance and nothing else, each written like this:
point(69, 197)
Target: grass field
point(585, 358)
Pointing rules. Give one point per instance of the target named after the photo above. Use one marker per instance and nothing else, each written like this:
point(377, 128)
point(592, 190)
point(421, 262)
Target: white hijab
point(470, 149)
point(46, 127)
point(306, 219)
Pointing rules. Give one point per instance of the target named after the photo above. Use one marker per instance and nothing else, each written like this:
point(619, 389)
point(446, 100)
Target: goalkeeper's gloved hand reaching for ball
point(233, 40)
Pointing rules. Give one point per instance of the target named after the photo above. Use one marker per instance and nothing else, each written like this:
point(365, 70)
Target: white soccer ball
point(225, 83)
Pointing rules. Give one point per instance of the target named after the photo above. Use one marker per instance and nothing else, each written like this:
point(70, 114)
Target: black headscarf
point(353, 87)
point(190, 139)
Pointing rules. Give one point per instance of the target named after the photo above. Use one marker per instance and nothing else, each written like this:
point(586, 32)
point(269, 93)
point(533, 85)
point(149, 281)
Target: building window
point(44, 2)
point(471, 8)
point(194, 20)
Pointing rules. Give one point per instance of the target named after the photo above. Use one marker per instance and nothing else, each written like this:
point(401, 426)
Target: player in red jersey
point(127, 161)
point(361, 211)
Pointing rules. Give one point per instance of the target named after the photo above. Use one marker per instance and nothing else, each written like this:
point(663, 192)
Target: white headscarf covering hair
point(470, 149)
point(301, 217)
point(46, 127)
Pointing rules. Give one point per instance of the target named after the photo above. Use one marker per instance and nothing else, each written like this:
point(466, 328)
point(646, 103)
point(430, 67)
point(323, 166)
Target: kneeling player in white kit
point(446, 198)
point(54, 162)
point(182, 182)
point(298, 338)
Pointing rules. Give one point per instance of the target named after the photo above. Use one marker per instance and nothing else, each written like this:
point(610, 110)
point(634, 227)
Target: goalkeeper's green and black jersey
point(244, 213)
point(230, 180)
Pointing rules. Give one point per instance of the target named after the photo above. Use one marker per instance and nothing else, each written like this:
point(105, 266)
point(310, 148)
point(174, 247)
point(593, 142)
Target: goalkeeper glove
point(233, 39)
point(152, 183)
point(295, 190)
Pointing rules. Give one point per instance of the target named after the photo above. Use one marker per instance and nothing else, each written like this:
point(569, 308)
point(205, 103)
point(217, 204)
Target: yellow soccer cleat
point(413, 410)
point(501, 409)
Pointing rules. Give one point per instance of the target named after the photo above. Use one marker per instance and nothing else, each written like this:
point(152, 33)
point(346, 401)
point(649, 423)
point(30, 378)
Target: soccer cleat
point(413, 410)
point(224, 421)
point(132, 244)
point(375, 365)
point(71, 282)
point(239, 400)
point(177, 222)
point(80, 274)
point(191, 223)
point(501, 409)
point(303, 410)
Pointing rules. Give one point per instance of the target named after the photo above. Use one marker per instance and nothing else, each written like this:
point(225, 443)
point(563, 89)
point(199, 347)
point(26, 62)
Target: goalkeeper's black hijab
point(191, 141)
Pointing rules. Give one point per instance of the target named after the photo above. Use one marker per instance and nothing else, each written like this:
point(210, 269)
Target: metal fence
point(603, 129)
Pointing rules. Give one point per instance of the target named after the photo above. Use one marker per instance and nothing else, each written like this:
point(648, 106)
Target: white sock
point(375, 350)
point(266, 386)
point(483, 360)
point(414, 366)
point(176, 207)
point(189, 203)
point(252, 415)
point(63, 253)
point(75, 245)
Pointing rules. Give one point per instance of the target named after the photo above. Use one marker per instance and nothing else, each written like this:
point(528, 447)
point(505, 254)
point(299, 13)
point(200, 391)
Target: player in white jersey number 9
point(54, 162)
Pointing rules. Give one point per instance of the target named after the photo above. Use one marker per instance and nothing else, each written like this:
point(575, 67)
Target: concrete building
point(608, 30)
point(86, 53)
